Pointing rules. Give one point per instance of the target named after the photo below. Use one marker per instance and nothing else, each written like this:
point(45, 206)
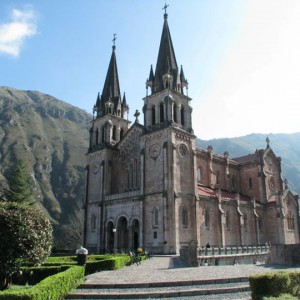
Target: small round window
point(272, 183)
point(182, 150)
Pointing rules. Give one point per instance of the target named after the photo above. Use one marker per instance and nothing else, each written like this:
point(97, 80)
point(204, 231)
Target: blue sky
point(241, 58)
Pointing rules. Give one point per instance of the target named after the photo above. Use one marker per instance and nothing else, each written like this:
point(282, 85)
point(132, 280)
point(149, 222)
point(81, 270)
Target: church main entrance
point(110, 237)
point(135, 234)
point(122, 234)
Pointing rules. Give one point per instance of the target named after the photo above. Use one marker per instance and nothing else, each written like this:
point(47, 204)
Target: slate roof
point(111, 87)
point(209, 192)
point(247, 158)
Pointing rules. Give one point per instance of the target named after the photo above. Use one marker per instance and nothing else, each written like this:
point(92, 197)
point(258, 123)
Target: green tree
point(73, 229)
point(26, 235)
point(19, 185)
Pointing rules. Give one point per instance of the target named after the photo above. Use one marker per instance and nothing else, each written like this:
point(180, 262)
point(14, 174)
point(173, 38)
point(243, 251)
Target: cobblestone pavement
point(170, 268)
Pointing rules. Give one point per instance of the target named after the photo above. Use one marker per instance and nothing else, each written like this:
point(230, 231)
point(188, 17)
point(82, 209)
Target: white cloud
point(257, 88)
point(14, 33)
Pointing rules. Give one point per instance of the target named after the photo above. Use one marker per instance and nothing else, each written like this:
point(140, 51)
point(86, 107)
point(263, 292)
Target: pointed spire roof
point(110, 101)
point(111, 89)
point(166, 60)
point(151, 75)
point(124, 104)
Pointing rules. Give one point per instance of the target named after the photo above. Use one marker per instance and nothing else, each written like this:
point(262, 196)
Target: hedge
point(282, 297)
point(112, 263)
point(33, 275)
point(59, 275)
point(54, 287)
point(275, 284)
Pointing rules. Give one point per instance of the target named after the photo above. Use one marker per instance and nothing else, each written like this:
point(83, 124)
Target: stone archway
point(135, 234)
point(110, 236)
point(123, 234)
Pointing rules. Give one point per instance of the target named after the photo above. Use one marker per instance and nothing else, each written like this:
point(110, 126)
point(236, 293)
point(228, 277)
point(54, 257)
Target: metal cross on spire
point(114, 41)
point(165, 7)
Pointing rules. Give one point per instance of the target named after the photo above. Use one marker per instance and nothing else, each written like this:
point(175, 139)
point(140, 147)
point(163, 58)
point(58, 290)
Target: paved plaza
point(170, 269)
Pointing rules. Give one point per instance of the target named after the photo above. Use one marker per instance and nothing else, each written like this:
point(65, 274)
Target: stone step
point(237, 288)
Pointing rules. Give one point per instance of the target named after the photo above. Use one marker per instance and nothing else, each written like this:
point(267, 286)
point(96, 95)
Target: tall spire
point(111, 87)
point(167, 74)
point(111, 96)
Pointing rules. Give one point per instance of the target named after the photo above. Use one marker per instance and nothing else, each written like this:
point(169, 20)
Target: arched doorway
point(122, 234)
point(135, 234)
point(110, 234)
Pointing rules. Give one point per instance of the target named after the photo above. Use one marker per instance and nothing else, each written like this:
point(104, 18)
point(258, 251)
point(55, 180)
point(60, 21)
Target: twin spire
point(167, 75)
point(110, 101)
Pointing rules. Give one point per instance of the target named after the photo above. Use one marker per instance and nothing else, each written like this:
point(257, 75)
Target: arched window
point(114, 130)
point(97, 137)
point(233, 182)
point(184, 217)
point(227, 220)
point(162, 112)
point(290, 221)
point(135, 173)
point(93, 223)
point(103, 134)
point(155, 216)
point(182, 116)
point(130, 177)
point(207, 219)
point(138, 175)
point(199, 175)
point(250, 184)
point(121, 133)
point(175, 113)
point(153, 115)
point(218, 177)
point(245, 222)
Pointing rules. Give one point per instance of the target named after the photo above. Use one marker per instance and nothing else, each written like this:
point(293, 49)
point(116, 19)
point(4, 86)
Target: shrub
point(26, 234)
point(33, 275)
point(112, 263)
point(282, 297)
point(54, 287)
point(274, 284)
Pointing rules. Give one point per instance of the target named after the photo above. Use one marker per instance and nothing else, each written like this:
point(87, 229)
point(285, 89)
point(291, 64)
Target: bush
point(26, 234)
point(112, 263)
point(282, 297)
point(274, 284)
point(54, 287)
point(33, 275)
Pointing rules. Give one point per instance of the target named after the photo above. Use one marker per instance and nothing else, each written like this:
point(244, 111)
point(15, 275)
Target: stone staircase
point(233, 288)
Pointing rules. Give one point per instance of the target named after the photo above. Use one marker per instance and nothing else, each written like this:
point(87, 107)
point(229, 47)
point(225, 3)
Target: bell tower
point(169, 147)
point(107, 130)
point(167, 103)
point(109, 123)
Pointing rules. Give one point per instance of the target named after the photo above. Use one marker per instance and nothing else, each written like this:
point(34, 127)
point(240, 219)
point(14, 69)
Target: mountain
point(52, 137)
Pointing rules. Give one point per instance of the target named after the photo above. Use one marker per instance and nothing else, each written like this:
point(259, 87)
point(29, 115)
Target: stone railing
point(232, 255)
point(122, 195)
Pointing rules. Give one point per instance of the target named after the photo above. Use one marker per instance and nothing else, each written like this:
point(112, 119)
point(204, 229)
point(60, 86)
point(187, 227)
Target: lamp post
point(114, 230)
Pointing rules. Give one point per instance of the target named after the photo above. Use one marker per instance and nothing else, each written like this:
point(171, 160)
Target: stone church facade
point(150, 186)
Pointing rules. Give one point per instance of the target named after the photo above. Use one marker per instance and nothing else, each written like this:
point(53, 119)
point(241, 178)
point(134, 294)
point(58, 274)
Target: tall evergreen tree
point(19, 185)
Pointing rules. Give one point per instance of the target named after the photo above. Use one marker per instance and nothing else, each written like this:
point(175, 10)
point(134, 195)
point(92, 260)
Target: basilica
point(149, 186)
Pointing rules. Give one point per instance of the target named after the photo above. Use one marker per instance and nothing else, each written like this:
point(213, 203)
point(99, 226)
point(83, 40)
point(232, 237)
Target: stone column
point(130, 238)
point(141, 226)
point(222, 219)
point(116, 238)
point(118, 131)
point(179, 114)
